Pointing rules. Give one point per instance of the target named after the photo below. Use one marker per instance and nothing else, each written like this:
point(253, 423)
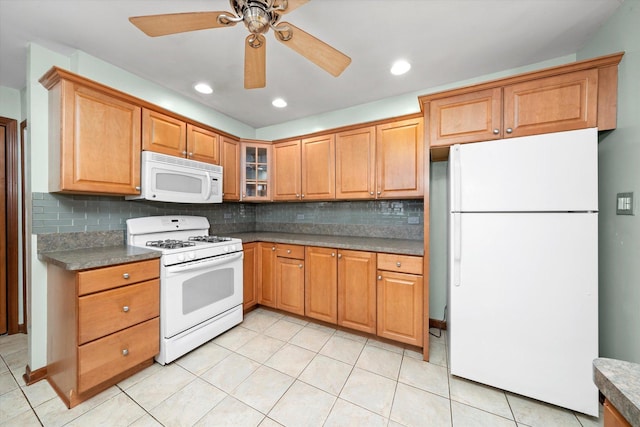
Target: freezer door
point(542, 173)
point(523, 306)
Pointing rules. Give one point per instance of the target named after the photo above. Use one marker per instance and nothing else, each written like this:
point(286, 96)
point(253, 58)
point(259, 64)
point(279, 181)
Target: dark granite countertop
point(619, 381)
point(84, 258)
point(370, 244)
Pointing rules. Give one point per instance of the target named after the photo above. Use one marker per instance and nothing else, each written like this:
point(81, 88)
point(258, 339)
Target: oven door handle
point(204, 263)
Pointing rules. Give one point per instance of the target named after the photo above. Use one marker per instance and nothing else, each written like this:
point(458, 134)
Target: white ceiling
point(445, 40)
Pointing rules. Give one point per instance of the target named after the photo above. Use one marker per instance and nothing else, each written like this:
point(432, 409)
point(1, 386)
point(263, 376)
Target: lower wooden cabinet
point(249, 275)
point(102, 326)
point(357, 290)
point(613, 418)
point(321, 284)
point(281, 277)
point(400, 298)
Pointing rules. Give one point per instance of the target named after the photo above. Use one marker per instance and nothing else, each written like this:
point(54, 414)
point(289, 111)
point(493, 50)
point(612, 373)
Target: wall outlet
point(624, 203)
point(228, 216)
point(300, 216)
point(413, 220)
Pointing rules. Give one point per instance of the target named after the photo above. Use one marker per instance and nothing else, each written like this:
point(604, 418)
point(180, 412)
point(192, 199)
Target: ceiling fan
point(259, 16)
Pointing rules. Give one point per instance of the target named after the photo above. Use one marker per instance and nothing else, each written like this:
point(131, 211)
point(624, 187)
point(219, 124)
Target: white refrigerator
point(523, 266)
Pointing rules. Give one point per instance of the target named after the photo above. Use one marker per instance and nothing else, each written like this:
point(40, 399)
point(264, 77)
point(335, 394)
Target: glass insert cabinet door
point(256, 161)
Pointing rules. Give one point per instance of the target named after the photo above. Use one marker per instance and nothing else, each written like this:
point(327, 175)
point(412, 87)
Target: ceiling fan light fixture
point(279, 103)
point(400, 67)
point(203, 88)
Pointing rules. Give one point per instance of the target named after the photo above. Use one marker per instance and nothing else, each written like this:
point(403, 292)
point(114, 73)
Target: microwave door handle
point(208, 192)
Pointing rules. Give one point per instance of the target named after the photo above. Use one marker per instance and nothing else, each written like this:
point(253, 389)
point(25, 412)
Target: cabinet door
point(321, 284)
point(355, 164)
point(318, 168)
point(400, 307)
point(203, 145)
point(99, 150)
point(256, 172)
point(266, 275)
point(286, 166)
point(400, 159)
point(470, 117)
point(249, 273)
point(163, 134)
point(552, 104)
point(357, 290)
point(290, 285)
point(230, 161)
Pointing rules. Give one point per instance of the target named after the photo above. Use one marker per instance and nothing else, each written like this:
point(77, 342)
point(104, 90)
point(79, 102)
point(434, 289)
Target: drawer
point(101, 360)
point(119, 275)
point(400, 263)
point(103, 313)
point(290, 251)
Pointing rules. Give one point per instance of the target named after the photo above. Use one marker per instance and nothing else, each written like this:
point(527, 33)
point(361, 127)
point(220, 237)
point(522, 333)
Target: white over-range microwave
point(174, 179)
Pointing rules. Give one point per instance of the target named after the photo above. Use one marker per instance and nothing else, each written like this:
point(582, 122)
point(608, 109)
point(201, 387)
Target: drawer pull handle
point(288, 251)
point(125, 352)
point(125, 308)
point(379, 277)
point(398, 264)
point(125, 275)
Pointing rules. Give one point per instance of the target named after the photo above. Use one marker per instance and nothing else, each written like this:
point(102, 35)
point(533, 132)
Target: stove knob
point(226, 249)
point(181, 257)
point(191, 255)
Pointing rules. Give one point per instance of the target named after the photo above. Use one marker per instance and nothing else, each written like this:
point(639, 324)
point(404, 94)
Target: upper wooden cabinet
point(286, 171)
point(575, 96)
point(305, 169)
point(256, 171)
point(400, 159)
point(356, 163)
point(166, 134)
point(94, 137)
point(230, 162)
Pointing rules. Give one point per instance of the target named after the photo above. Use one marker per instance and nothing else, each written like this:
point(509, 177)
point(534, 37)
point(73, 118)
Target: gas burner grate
point(169, 244)
point(209, 239)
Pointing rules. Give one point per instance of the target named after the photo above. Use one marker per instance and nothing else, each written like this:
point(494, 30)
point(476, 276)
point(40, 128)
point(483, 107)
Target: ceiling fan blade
point(255, 62)
point(291, 5)
point(324, 56)
point(172, 23)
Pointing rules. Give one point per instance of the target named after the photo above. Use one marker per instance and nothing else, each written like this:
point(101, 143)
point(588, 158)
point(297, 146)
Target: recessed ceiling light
point(400, 67)
point(279, 103)
point(203, 88)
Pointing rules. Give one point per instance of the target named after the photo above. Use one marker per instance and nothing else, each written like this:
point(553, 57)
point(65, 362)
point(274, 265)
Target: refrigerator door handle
point(457, 248)
point(457, 176)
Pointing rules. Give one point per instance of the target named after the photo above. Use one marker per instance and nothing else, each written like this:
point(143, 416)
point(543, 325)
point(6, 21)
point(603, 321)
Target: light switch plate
point(624, 204)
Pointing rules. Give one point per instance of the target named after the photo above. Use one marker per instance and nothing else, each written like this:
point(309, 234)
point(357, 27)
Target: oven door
point(196, 291)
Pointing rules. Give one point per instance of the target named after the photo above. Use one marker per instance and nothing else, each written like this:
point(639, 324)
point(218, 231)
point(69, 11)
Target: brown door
point(8, 226)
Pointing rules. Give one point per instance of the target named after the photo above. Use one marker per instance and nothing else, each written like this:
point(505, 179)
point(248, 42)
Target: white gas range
point(200, 280)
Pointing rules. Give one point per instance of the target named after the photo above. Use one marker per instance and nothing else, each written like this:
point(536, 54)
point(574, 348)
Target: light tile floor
point(277, 370)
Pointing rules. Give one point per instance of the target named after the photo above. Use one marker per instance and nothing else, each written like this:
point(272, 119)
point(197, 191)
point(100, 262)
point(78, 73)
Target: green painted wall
point(10, 104)
point(619, 156)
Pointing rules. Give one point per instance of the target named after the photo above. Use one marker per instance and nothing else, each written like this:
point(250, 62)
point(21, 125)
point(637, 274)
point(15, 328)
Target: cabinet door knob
point(125, 352)
point(273, 248)
point(125, 276)
point(190, 154)
point(297, 196)
point(398, 264)
point(302, 196)
point(509, 130)
point(333, 254)
point(299, 265)
point(379, 193)
point(379, 277)
point(496, 131)
point(138, 188)
point(125, 308)
point(339, 256)
point(371, 193)
point(288, 251)
point(184, 153)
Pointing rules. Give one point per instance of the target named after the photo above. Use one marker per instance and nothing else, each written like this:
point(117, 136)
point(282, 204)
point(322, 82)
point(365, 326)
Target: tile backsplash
point(62, 213)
